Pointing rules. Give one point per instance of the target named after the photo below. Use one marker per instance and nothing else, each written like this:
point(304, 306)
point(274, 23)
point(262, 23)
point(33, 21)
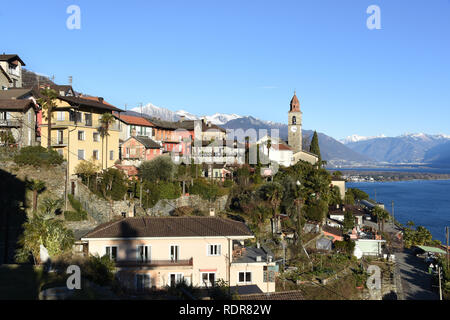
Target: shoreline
point(393, 176)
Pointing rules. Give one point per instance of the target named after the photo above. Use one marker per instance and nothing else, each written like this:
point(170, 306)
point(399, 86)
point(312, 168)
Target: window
point(111, 155)
point(245, 277)
point(269, 275)
point(175, 278)
point(96, 137)
point(60, 116)
point(208, 279)
point(143, 253)
point(143, 282)
point(80, 154)
point(294, 120)
point(174, 253)
point(60, 137)
point(214, 249)
point(88, 119)
point(75, 116)
point(111, 252)
point(81, 135)
point(95, 154)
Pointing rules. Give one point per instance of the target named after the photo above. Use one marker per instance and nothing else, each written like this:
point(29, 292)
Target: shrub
point(228, 183)
point(79, 214)
point(169, 190)
point(38, 156)
point(100, 270)
point(158, 169)
point(113, 184)
point(205, 189)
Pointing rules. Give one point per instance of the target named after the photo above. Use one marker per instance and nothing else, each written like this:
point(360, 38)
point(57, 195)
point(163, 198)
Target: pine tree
point(314, 147)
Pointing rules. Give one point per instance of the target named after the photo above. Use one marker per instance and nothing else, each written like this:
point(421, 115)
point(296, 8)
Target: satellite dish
point(358, 253)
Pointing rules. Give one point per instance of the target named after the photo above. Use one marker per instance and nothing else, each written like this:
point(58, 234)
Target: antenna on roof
point(141, 108)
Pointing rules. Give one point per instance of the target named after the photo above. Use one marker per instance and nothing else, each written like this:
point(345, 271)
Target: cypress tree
point(314, 147)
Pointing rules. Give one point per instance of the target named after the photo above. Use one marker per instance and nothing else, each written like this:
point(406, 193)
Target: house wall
point(25, 134)
point(369, 247)
point(4, 82)
point(196, 248)
point(16, 76)
point(71, 144)
point(341, 186)
point(305, 157)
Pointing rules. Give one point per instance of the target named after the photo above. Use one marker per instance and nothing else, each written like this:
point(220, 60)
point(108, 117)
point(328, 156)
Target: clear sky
point(247, 57)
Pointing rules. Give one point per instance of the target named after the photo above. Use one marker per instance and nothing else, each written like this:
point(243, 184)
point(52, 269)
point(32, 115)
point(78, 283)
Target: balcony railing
point(60, 142)
point(9, 123)
point(155, 263)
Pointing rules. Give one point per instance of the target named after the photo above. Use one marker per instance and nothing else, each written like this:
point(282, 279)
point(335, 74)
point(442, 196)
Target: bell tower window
point(294, 120)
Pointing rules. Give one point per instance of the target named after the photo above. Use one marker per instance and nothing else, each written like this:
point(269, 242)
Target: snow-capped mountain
point(169, 115)
point(407, 148)
point(356, 138)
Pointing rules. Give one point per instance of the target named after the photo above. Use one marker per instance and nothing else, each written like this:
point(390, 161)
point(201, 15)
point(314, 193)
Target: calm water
point(427, 203)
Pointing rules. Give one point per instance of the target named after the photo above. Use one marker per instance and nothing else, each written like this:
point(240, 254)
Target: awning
point(432, 249)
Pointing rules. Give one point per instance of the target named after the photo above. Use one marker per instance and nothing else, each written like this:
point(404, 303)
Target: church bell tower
point(295, 125)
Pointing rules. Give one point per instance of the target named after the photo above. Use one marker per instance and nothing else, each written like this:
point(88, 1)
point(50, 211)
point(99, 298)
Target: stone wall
point(99, 209)
point(167, 207)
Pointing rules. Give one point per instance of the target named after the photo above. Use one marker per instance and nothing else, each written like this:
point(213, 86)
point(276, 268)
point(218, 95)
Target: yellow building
point(75, 134)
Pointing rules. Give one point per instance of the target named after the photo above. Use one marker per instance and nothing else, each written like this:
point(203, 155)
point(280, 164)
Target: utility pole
point(393, 217)
point(140, 195)
point(447, 247)
point(440, 288)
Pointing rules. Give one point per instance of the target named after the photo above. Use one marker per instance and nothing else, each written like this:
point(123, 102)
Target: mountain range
point(404, 149)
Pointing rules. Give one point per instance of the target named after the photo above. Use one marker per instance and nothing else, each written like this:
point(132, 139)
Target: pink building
point(139, 148)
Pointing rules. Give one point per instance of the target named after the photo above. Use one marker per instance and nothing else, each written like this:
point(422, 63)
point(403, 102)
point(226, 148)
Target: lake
point(426, 202)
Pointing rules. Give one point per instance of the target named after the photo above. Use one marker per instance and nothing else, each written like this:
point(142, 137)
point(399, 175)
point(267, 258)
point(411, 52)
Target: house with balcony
point(132, 126)
point(137, 149)
point(155, 252)
point(11, 65)
point(18, 117)
point(75, 132)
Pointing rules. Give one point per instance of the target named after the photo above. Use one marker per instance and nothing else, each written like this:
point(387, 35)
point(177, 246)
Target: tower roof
point(295, 104)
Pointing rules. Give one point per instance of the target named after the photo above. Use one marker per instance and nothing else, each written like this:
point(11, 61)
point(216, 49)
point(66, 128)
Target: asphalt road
point(416, 281)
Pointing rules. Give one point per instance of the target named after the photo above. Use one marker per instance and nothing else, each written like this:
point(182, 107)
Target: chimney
point(100, 99)
point(209, 124)
point(133, 132)
point(258, 245)
point(258, 258)
point(182, 118)
point(212, 212)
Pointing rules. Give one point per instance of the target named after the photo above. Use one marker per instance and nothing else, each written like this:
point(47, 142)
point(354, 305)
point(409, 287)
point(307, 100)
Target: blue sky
point(247, 57)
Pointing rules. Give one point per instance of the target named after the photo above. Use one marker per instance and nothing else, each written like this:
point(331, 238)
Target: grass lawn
point(23, 282)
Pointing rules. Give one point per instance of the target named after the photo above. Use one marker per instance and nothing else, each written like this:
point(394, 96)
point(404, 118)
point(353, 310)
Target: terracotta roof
point(16, 105)
point(10, 58)
point(90, 102)
point(295, 104)
point(332, 230)
point(281, 147)
point(137, 121)
point(150, 227)
point(287, 295)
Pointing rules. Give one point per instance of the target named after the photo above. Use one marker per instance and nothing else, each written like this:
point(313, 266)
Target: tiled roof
point(287, 295)
point(137, 121)
point(14, 93)
point(147, 142)
point(89, 102)
point(152, 227)
point(11, 57)
point(12, 104)
point(295, 104)
point(335, 231)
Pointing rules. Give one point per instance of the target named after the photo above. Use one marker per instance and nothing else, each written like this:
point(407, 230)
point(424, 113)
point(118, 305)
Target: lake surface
point(426, 202)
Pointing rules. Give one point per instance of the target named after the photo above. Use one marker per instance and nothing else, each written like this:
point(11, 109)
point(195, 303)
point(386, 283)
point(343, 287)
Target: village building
point(18, 119)
point(137, 149)
point(154, 252)
point(75, 132)
point(10, 71)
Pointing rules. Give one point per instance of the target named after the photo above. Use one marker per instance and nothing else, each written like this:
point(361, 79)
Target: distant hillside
point(439, 155)
point(410, 148)
point(31, 79)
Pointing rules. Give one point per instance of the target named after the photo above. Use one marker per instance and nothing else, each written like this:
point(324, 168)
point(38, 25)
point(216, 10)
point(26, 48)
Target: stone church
point(295, 138)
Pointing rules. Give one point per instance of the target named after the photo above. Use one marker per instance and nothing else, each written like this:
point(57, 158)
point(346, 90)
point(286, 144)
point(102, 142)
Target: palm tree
point(269, 145)
point(273, 192)
point(37, 187)
point(106, 120)
point(47, 102)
